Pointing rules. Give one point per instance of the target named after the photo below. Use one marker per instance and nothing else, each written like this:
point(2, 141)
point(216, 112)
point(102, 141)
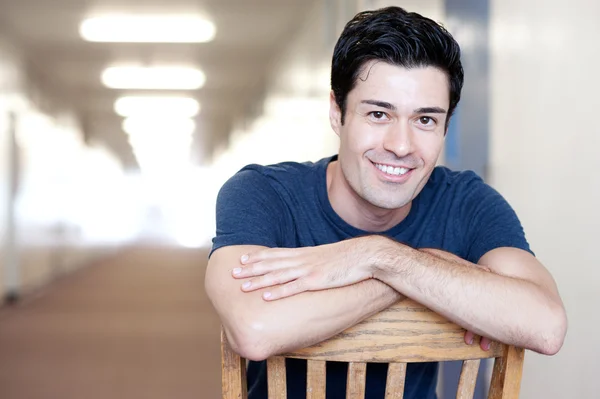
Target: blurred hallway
point(90, 165)
point(137, 325)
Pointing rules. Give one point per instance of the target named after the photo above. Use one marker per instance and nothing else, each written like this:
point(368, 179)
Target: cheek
point(429, 148)
point(361, 139)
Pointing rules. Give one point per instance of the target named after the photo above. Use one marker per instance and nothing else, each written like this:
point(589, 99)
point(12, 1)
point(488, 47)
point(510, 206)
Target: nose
point(399, 140)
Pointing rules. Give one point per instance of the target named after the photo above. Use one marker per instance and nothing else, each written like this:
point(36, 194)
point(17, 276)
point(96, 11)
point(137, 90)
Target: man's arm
point(508, 297)
point(517, 303)
point(257, 329)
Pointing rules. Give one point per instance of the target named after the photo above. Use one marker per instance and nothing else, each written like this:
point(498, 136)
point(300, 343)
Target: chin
point(387, 201)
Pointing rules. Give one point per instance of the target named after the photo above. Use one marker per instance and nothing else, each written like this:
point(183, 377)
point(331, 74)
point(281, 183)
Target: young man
point(304, 251)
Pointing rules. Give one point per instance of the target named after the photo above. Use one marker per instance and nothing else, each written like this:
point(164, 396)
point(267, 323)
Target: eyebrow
point(381, 104)
point(392, 107)
point(430, 110)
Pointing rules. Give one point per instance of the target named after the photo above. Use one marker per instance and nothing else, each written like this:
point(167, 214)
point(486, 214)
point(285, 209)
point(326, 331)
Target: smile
point(390, 170)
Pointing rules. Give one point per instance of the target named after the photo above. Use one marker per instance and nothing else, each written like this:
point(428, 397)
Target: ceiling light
point(169, 78)
point(147, 29)
point(153, 127)
point(184, 107)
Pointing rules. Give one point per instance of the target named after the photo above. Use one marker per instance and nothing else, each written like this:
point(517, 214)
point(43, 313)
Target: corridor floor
point(137, 325)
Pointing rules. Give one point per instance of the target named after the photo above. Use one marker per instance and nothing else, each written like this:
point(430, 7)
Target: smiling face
point(393, 133)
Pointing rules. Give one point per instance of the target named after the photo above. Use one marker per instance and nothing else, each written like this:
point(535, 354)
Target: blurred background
point(120, 120)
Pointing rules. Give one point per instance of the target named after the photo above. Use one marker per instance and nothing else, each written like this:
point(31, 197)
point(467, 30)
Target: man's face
point(393, 131)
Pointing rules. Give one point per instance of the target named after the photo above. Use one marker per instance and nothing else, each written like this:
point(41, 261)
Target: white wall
point(545, 139)
point(10, 82)
point(68, 194)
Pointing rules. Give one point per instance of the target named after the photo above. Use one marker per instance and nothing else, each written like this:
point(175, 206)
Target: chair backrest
point(404, 333)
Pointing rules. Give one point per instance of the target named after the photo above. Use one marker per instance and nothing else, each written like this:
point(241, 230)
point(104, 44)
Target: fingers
point(286, 290)
point(265, 254)
point(469, 337)
point(265, 261)
point(484, 343)
point(271, 279)
point(262, 268)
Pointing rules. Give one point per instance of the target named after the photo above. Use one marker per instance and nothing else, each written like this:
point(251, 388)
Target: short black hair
point(397, 37)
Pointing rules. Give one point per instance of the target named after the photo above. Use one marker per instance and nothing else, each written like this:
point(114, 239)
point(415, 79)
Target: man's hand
point(484, 343)
point(292, 271)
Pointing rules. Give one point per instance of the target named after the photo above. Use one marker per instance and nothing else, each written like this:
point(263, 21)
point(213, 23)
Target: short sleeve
point(490, 222)
point(249, 212)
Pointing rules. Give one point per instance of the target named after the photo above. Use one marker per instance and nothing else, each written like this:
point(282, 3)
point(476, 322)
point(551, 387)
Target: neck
point(354, 210)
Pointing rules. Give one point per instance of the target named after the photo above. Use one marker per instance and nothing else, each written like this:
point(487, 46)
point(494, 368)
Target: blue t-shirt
point(287, 206)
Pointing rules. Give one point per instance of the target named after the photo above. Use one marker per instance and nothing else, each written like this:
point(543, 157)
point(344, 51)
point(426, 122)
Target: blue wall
point(468, 133)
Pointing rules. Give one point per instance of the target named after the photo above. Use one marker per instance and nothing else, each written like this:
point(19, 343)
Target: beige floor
point(135, 326)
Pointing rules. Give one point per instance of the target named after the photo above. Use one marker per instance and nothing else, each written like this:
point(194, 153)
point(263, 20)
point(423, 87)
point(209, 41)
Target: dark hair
point(399, 38)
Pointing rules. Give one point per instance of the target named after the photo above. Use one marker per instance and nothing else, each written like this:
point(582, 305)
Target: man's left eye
point(426, 120)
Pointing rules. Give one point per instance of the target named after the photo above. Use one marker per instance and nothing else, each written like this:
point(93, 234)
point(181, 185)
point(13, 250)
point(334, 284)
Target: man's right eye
point(377, 115)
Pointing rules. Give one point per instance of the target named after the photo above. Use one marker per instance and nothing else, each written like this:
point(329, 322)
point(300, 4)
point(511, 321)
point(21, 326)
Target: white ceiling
point(250, 34)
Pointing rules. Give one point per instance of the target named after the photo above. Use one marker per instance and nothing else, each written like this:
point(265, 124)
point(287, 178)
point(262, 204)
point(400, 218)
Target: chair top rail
point(407, 332)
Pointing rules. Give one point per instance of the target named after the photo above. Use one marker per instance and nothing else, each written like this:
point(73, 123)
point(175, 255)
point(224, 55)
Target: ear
point(335, 114)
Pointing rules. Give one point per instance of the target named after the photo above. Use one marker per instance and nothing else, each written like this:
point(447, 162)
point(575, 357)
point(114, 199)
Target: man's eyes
point(427, 121)
point(424, 121)
point(378, 115)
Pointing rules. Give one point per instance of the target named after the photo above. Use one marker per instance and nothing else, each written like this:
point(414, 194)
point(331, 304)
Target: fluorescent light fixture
point(165, 78)
point(153, 127)
point(184, 107)
point(147, 29)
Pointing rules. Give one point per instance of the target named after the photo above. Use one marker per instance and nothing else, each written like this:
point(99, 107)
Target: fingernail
point(247, 284)
point(487, 346)
point(267, 295)
point(471, 341)
point(237, 270)
point(244, 258)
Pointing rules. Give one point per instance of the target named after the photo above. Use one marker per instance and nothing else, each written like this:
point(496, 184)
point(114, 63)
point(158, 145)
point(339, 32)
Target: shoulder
point(461, 184)
point(287, 170)
point(279, 177)
point(485, 219)
point(442, 175)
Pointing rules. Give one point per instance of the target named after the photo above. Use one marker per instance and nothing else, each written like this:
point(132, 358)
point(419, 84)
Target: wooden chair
point(405, 333)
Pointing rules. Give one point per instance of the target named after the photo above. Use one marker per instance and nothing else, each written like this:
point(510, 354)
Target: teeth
point(390, 170)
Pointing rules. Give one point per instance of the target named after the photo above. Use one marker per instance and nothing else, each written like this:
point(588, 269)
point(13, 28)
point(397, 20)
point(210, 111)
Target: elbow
point(249, 341)
point(553, 337)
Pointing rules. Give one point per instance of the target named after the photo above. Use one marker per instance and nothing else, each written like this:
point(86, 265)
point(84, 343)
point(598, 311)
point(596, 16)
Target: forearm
point(311, 317)
point(505, 309)
point(258, 329)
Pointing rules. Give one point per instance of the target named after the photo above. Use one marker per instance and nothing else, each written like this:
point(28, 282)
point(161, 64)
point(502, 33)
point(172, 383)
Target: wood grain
point(233, 372)
point(507, 373)
point(276, 378)
point(407, 332)
point(355, 386)
point(468, 379)
point(394, 386)
point(315, 379)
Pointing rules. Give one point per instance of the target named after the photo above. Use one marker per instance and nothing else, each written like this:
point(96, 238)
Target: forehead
point(414, 87)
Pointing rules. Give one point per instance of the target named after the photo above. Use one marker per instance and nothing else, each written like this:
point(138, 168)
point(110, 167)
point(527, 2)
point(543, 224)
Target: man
point(304, 251)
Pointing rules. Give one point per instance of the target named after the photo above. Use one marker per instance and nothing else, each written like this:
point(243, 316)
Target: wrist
point(384, 256)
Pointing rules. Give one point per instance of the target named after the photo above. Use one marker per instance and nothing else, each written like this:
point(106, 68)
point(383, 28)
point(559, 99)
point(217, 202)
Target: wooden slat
point(315, 379)
point(506, 377)
point(233, 372)
point(276, 377)
point(394, 386)
point(468, 379)
point(355, 387)
point(406, 332)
